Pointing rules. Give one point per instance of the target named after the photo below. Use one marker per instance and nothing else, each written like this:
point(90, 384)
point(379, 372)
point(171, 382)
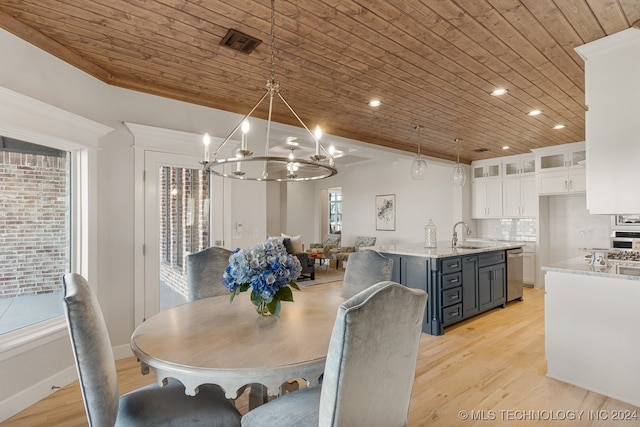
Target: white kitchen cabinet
point(612, 94)
point(519, 165)
point(486, 169)
point(486, 199)
point(520, 198)
point(561, 169)
point(563, 181)
point(560, 157)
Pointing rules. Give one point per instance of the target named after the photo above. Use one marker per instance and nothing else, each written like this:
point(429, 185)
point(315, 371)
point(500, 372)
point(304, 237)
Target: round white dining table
point(213, 341)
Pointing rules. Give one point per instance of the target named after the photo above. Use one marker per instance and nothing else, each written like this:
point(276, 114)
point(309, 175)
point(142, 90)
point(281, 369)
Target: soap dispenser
point(430, 235)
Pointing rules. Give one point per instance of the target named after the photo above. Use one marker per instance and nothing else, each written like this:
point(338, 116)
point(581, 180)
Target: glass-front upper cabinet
point(486, 169)
point(519, 165)
point(562, 156)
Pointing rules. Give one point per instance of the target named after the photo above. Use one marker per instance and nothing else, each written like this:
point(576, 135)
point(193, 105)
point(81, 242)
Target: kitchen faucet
point(454, 241)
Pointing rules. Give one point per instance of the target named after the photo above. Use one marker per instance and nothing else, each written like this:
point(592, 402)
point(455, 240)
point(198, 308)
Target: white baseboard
point(122, 352)
point(27, 397)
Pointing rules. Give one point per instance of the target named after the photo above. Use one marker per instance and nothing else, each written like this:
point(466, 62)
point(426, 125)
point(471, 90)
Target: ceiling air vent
point(239, 41)
point(481, 150)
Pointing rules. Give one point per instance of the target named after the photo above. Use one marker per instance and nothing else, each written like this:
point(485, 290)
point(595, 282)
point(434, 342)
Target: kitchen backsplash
point(508, 229)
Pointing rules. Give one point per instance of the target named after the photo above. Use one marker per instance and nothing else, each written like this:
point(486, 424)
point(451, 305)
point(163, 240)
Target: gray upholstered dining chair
point(369, 370)
point(204, 279)
point(146, 406)
point(365, 268)
point(204, 273)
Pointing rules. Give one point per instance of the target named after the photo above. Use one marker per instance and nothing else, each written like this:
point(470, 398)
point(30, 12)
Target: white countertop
point(619, 270)
point(444, 248)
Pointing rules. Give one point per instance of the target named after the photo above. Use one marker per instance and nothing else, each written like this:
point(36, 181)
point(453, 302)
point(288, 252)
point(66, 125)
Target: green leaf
point(294, 284)
point(284, 294)
point(274, 307)
point(244, 287)
point(235, 292)
point(255, 298)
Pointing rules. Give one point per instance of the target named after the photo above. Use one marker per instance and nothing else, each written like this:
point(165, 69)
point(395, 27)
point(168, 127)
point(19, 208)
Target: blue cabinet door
point(491, 286)
point(470, 286)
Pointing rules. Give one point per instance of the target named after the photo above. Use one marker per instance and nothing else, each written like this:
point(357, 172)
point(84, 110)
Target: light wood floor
point(492, 367)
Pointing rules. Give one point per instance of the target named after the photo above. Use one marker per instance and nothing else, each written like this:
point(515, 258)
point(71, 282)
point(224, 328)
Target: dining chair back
point(365, 268)
point(204, 273)
point(370, 366)
point(150, 405)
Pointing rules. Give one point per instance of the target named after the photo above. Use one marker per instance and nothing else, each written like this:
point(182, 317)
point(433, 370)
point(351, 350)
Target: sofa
point(307, 263)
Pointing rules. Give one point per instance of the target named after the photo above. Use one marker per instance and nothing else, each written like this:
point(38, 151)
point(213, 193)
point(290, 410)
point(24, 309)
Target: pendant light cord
point(273, 39)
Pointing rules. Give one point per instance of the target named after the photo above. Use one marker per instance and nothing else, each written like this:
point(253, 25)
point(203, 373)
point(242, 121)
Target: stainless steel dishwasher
point(514, 274)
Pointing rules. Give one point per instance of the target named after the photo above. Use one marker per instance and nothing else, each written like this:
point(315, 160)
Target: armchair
point(345, 251)
point(329, 241)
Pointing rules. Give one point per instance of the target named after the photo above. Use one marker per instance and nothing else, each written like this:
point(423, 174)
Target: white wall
point(32, 72)
point(572, 227)
point(416, 201)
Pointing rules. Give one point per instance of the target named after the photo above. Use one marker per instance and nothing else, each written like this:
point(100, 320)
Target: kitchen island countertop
point(444, 249)
point(616, 270)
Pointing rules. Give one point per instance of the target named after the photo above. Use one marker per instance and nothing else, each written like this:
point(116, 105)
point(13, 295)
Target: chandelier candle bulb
point(318, 134)
point(430, 238)
point(206, 139)
point(245, 130)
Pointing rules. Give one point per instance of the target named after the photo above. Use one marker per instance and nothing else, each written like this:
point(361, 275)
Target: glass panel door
point(176, 222)
point(184, 227)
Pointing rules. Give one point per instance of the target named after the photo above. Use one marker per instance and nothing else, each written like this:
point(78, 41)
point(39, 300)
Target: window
point(335, 210)
point(35, 232)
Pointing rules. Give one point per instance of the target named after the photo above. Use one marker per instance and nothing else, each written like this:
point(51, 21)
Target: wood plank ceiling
point(430, 62)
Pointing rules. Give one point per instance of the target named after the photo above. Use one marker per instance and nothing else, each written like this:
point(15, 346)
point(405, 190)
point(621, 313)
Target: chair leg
point(257, 395)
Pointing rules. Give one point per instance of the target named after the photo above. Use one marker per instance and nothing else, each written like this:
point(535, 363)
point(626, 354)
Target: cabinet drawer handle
point(454, 297)
point(454, 280)
point(453, 313)
point(454, 265)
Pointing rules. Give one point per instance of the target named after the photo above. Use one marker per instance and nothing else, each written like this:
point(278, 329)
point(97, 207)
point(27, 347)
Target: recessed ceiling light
point(559, 126)
point(498, 92)
point(534, 112)
point(505, 147)
point(374, 103)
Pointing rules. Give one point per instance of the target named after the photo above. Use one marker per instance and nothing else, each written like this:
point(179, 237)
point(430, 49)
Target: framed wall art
point(386, 212)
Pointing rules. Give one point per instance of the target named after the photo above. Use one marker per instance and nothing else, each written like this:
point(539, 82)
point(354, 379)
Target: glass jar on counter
point(430, 238)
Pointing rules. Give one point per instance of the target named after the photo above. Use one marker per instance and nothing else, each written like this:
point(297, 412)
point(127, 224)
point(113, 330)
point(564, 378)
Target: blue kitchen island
point(461, 282)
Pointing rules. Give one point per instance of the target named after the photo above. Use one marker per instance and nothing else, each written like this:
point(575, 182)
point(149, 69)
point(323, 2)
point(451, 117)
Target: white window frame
point(33, 121)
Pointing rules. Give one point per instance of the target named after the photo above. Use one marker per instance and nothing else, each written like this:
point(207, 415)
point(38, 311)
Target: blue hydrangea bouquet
point(268, 270)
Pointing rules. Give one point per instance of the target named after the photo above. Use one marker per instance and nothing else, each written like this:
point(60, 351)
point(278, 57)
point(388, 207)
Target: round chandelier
point(268, 167)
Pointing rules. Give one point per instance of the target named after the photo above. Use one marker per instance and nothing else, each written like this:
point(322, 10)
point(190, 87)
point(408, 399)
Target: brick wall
point(34, 219)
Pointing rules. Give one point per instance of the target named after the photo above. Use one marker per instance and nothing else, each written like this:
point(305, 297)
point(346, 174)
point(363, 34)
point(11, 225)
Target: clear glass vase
point(262, 308)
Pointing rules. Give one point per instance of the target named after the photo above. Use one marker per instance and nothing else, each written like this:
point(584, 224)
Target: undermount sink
point(468, 247)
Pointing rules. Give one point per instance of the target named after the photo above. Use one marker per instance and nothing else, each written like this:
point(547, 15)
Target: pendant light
point(459, 174)
point(419, 165)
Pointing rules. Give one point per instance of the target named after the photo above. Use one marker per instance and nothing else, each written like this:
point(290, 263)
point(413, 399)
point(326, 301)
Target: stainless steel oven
point(623, 239)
